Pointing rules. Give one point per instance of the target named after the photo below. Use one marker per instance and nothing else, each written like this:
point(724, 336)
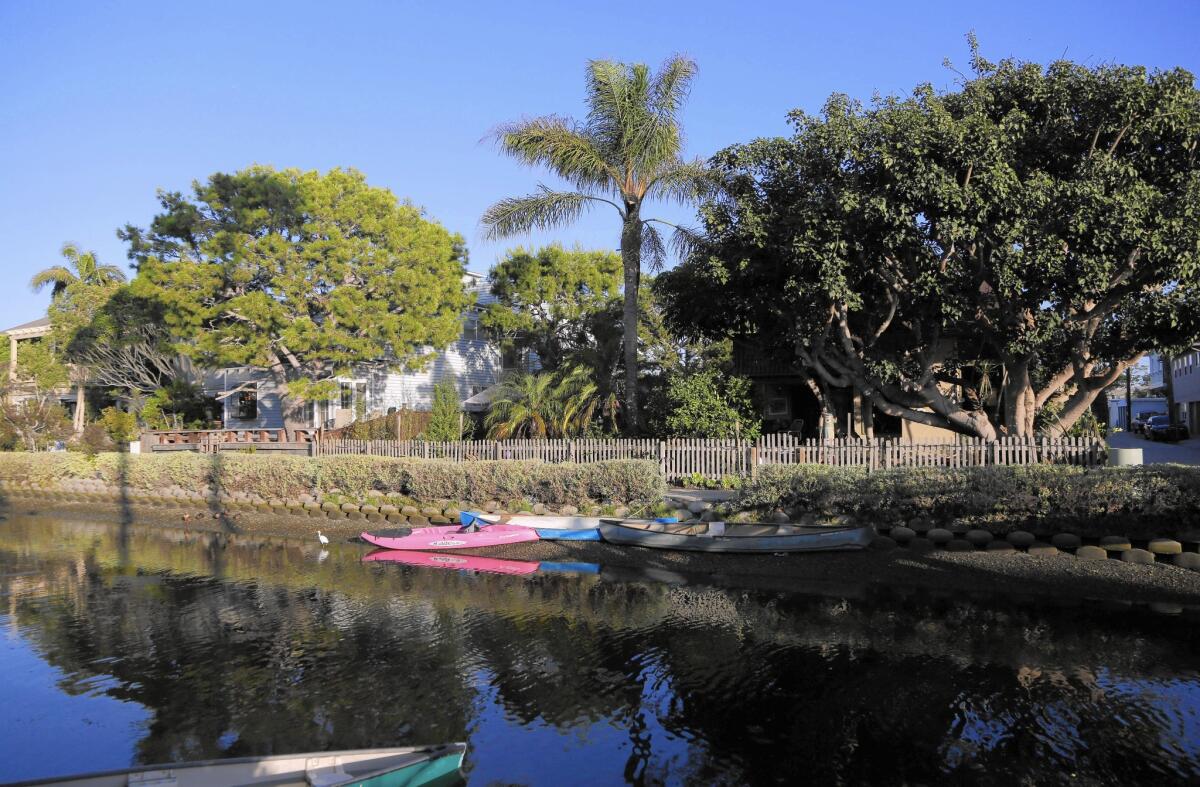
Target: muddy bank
point(902, 570)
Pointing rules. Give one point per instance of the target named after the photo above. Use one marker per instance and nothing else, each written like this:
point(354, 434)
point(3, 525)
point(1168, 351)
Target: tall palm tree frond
point(559, 145)
point(545, 209)
point(654, 250)
point(87, 270)
point(57, 275)
point(682, 182)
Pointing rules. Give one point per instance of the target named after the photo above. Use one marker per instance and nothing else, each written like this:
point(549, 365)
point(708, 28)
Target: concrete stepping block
point(1115, 543)
point(1188, 560)
point(921, 545)
point(940, 535)
point(1020, 538)
point(960, 545)
point(1066, 541)
point(1141, 557)
point(1091, 553)
point(1000, 546)
point(921, 524)
point(1040, 549)
point(397, 519)
point(1165, 546)
point(979, 538)
point(903, 533)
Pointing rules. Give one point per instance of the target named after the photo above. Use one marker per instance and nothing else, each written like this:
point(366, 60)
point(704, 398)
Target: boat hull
point(592, 534)
point(451, 537)
point(395, 767)
point(546, 522)
point(793, 538)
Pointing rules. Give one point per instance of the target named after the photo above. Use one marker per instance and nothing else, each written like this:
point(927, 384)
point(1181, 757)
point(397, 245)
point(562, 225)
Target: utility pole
point(1169, 381)
point(1128, 399)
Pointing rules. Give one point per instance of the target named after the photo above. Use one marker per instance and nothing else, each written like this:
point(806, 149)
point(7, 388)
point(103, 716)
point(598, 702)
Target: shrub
point(94, 440)
point(447, 421)
point(122, 427)
point(1132, 501)
point(709, 403)
point(353, 476)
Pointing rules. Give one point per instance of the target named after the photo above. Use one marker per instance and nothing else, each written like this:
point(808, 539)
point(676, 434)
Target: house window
point(247, 403)
point(347, 399)
point(510, 358)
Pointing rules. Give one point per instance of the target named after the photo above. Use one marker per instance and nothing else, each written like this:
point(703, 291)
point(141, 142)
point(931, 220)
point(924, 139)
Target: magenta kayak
point(449, 537)
point(491, 565)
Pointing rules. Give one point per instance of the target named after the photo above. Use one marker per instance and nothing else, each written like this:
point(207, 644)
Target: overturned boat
point(734, 537)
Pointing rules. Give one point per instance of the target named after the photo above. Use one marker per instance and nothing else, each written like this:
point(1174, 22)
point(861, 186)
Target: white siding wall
point(270, 406)
point(474, 364)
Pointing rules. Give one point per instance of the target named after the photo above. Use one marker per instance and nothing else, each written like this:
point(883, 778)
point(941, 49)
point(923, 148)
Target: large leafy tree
point(546, 298)
point(301, 272)
point(1034, 232)
point(627, 152)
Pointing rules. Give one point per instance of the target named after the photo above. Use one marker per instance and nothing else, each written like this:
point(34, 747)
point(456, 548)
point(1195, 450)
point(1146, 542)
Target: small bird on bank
point(323, 539)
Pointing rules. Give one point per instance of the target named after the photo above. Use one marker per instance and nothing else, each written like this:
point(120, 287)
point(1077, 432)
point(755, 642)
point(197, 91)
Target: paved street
point(1186, 452)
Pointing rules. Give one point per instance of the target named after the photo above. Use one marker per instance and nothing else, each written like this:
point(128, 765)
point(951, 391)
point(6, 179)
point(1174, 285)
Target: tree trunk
point(1086, 391)
point(827, 427)
point(1019, 399)
point(80, 409)
point(631, 260)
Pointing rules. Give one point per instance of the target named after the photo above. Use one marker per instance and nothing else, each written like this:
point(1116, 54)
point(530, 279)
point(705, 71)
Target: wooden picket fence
point(681, 458)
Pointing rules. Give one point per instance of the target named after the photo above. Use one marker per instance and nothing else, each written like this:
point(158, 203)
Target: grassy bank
point(1150, 500)
point(271, 477)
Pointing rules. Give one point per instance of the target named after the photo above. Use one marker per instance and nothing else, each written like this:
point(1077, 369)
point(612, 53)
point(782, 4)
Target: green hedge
point(1147, 500)
point(354, 476)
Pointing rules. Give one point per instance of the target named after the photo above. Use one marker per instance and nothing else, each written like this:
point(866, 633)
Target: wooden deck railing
point(211, 440)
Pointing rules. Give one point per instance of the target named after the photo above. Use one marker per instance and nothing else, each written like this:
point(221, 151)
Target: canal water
point(129, 645)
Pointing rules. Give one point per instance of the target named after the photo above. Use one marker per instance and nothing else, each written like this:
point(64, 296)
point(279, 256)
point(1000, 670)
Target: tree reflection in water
point(241, 645)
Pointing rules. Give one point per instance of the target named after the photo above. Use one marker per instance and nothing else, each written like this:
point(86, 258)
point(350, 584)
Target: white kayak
point(532, 520)
point(393, 767)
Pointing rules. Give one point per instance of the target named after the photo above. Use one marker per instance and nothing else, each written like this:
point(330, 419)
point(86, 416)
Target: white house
point(34, 331)
point(252, 399)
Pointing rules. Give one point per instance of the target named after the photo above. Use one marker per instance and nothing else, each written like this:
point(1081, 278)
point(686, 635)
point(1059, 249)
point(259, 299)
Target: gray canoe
point(394, 767)
point(734, 537)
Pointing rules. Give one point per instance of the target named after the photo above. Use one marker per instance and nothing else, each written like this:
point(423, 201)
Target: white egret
point(323, 539)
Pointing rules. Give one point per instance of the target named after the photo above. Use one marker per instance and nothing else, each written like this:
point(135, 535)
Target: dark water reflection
point(170, 645)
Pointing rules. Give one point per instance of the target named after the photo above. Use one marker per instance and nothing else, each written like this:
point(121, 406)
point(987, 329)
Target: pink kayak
point(449, 537)
point(492, 565)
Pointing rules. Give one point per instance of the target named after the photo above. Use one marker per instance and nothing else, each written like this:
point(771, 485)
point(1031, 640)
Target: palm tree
point(526, 406)
point(546, 405)
point(580, 399)
point(87, 269)
point(625, 153)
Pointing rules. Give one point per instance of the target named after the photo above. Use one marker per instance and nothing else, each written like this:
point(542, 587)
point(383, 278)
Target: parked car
point(1159, 427)
point(1139, 422)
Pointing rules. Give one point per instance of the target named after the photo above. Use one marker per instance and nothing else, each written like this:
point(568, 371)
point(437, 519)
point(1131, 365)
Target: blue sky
point(102, 103)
